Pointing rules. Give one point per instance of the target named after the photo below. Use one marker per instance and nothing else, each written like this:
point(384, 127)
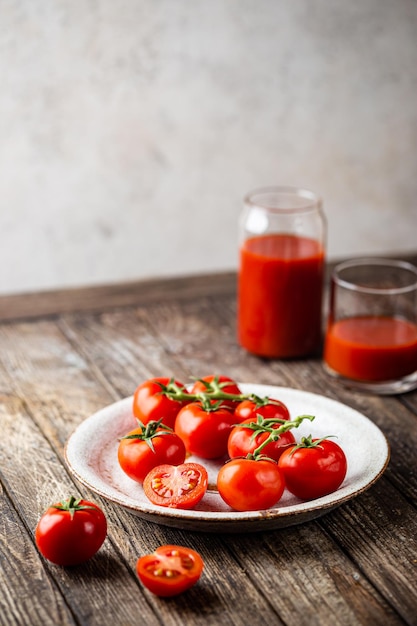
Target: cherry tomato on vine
point(151, 402)
point(146, 447)
point(243, 441)
point(176, 486)
point(267, 407)
point(250, 485)
point(313, 468)
point(205, 428)
point(71, 532)
point(212, 384)
point(169, 570)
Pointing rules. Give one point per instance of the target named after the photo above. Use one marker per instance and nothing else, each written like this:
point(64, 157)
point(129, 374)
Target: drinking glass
point(280, 286)
point(371, 338)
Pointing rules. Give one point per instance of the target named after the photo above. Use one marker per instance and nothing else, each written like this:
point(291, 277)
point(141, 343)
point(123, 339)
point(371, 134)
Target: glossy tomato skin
point(249, 485)
point(170, 570)
point(69, 539)
point(205, 431)
point(149, 403)
point(228, 385)
point(176, 486)
point(312, 472)
point(241, 441)
point(273, 409)
point(137, 457)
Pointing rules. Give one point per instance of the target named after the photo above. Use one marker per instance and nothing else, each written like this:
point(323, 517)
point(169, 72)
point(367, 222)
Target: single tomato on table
point(71, 532)
point(159, 399)
point(145, 447)
point(204, 427)
point(176, 486)
point(249, 484)
point(246, 437)
point(213, 385)
point(313, 468)
point(169, 570)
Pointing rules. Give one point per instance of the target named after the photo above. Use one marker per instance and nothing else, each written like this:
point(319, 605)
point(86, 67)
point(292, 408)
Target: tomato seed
point(165, 573)
point(161, 489)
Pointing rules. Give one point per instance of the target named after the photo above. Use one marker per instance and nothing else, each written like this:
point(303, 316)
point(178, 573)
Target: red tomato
point(268, 408)
point(176, 486)
point(243, 441)
point(70, 532)
point(170, 570)
point(214, 384)
point(249, 485)
point(146, 447)
point(150, 401)
point(205, 429)
point(313, 468)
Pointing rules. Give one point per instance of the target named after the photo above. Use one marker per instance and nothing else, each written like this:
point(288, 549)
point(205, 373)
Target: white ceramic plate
point(91, 454)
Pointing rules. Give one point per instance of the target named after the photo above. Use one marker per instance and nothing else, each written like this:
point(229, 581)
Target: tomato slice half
point(176, 486)
point(170, 570)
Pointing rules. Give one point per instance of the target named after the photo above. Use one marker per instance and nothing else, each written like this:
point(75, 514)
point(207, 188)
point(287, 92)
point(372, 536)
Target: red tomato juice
point(372, 348)
point(280, 295)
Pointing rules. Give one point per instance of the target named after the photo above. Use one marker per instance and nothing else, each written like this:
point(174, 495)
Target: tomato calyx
point(172, 390)
point(210, 406)
point(72, 504)
point(308, 442)
point(154, 428)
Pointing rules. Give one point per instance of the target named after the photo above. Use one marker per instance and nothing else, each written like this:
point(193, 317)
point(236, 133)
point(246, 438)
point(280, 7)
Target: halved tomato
point(176, 486)
point(170, 570)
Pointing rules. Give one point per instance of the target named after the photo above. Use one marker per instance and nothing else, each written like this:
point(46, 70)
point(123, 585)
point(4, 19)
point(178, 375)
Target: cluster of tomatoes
point(215, 420)
point(250, 436)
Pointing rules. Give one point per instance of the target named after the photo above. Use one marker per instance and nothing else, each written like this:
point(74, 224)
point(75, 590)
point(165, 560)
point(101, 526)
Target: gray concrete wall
point(131, 129)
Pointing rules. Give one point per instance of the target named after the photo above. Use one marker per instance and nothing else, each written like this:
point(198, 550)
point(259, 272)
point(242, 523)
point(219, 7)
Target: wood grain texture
point(354, 566)
point(98, 298)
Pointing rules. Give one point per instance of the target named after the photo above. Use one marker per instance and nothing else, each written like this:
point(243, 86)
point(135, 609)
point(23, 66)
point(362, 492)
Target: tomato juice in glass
point(280, 284)
point(280, 295)
point(371, 338)
point(372, 348)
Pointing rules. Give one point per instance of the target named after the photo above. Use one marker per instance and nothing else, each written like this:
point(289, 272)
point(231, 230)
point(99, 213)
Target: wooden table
point(65, 355)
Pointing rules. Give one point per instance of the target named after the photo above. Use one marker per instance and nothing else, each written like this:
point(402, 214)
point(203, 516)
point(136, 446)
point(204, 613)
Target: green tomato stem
point(274, 433)
point(72, 505)
point(173, 392)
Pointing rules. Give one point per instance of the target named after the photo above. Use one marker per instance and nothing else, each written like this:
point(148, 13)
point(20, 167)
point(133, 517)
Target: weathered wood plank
point(330, 589)
point(383, 544)
point(55, 373)
point(99, 298)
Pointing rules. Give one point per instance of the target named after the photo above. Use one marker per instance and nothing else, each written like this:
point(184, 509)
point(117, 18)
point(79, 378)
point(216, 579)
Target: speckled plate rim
point(91, 456)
